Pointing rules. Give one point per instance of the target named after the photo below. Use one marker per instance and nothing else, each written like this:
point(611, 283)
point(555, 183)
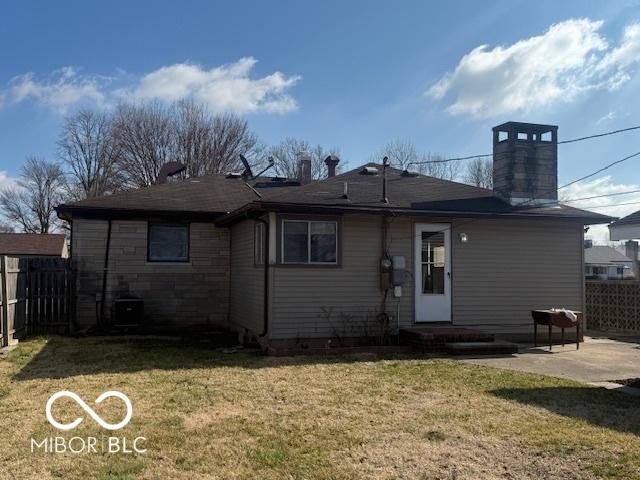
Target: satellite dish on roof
point(247, 168)
point(168, 170)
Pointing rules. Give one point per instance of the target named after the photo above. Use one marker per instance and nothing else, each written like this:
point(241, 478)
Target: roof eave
point(69, 212)
point(261, 207)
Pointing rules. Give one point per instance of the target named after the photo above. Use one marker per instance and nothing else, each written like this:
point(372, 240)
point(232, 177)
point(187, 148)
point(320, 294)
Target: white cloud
point(63, 89)
point(570, 58)
point(603, 186)
point(6, 181)
point(223, 88)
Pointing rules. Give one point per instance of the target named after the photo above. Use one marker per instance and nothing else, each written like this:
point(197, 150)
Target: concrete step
point(496, 347)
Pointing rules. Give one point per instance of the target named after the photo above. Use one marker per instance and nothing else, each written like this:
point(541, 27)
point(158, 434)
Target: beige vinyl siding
point(507, 268)
point(301, 292)
point(247, 279)
point(196, 292)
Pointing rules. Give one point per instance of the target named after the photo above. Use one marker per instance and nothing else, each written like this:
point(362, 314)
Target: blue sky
point(347, 74)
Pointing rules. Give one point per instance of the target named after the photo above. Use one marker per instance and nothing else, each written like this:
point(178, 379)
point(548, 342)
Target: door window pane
point(323, 242)
point(294, 245)
point(432, 279)
point(433, 262)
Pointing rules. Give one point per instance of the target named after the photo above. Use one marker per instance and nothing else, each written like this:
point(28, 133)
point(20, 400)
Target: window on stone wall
point(168, 242)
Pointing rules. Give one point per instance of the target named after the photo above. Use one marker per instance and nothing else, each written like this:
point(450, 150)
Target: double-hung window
point(168, 242)
point(309, 242)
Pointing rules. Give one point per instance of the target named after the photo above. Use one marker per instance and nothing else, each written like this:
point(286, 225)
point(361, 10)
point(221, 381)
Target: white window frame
point(308, 222)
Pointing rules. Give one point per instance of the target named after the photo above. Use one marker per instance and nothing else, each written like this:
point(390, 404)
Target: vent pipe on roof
point(385, 164)
point(332, 162)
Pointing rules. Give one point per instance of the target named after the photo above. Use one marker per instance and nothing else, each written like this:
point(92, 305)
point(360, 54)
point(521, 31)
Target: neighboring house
point(300, 261)
point(33, 245)
point(606, 263)
point(628, 228)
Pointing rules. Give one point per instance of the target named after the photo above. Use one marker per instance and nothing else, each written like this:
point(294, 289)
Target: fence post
point(5, 301)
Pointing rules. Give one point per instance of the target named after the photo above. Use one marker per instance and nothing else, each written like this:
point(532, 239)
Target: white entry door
point(432, 245)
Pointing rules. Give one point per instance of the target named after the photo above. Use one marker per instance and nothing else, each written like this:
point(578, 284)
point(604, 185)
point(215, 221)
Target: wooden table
point(555, 318)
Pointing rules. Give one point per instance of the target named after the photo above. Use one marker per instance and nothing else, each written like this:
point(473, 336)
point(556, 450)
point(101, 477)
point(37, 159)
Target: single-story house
point(305, 261)
point(603, 262)
point(51, 245)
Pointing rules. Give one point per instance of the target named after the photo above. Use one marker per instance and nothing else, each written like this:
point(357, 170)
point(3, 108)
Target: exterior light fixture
point(464, 238)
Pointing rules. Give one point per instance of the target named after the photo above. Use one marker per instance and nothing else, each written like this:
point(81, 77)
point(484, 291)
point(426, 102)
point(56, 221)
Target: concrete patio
point(600, 359)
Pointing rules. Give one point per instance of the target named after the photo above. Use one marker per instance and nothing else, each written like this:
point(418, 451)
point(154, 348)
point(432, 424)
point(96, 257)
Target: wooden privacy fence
point(613, 305)
point(37, 296)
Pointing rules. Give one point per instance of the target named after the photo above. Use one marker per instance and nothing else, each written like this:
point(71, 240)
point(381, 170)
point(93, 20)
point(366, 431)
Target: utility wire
point(600, 170)
point(573, 140)
point(613, 205)
point(524, 203)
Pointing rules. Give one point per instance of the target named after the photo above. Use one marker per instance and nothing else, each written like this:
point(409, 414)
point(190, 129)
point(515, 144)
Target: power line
point(600, 170)
point(484, 155)
point(613, 205)
point(597, 196)
point(600, 135)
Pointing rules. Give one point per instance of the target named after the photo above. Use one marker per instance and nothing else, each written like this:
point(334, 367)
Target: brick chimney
point(304, 167)
point(525, 163)
point(332, 162)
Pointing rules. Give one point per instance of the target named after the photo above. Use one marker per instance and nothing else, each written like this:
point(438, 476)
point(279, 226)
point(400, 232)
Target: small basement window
point(309, 242)
point(168, 242)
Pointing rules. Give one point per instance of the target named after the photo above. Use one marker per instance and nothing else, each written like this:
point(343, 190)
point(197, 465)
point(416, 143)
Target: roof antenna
point(385, 164)
point(272, 162)
point(247, 174)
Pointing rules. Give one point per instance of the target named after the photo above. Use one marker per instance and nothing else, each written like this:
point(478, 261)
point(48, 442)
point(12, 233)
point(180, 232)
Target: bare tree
point(479, 173)
point(87, 148)
point(31, 204)
point(403, 154)
point(148, 135)
point(5, 228)
point(285, 155)
point(210, 143)
point(146, 140)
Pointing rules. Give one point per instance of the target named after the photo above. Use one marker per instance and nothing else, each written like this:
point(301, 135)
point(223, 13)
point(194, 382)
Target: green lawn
point(209, 414)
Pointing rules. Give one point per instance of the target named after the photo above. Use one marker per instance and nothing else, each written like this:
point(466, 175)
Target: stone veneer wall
point(192, 293)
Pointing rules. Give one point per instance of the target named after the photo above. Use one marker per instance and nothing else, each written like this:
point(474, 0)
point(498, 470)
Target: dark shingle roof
point(603, 254)
point(211, 194)
point(415, 193)
point(31, 244)
point(632, 219)
point(216, 195)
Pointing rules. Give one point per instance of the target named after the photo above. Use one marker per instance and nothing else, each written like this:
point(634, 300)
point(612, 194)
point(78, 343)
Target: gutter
point(265, 293)
point(67, 212)
point(104, 274)
point(263, 207)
